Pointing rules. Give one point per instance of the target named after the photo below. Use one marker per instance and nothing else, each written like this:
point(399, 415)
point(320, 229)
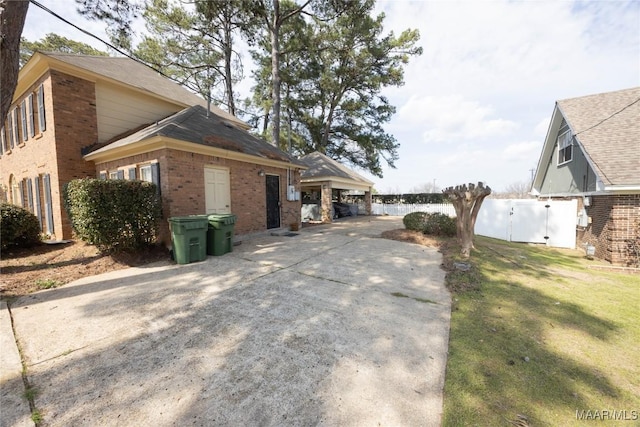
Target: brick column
point(326, 202)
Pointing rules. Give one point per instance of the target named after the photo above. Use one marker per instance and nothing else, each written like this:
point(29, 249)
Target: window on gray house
point(565, 147)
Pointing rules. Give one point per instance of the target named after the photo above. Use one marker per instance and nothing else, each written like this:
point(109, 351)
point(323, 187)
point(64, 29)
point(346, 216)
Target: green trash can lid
point(191, 221)
point(224, 219)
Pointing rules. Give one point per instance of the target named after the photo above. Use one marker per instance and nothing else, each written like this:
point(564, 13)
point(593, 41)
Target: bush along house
point(592, 153)
point(76, 116)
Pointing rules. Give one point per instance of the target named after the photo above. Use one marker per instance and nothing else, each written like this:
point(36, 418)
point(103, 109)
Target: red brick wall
point(183, 192)
point(614, 220)
point(70, 125)
point(76, 126)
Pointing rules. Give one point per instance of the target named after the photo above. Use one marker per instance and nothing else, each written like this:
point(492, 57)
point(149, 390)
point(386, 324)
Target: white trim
point(160, 142)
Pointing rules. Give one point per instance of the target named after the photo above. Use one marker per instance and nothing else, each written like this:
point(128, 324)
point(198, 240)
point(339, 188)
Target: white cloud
point(542, 127)
point(451, 118)
point(521, 151)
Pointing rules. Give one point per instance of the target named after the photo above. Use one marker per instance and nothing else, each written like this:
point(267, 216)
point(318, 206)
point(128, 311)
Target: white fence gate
point(529, 221)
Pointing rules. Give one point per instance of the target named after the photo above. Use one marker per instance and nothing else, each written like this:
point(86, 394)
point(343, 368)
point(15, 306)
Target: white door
point(217, 191)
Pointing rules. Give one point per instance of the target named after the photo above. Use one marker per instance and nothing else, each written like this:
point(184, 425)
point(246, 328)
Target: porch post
point(367, 202)
point(326, 202)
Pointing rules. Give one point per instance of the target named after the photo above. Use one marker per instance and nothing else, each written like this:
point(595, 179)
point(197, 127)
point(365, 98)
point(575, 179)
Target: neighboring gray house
point(322, 176)
point(592, 153)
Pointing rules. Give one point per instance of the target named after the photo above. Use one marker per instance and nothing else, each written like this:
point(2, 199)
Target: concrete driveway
point(298, 331)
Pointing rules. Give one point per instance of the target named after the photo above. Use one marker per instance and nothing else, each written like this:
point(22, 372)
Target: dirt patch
point(29, 270)
point(412, 236)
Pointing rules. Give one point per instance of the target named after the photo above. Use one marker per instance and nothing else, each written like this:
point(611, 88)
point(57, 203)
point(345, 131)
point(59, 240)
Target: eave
point(160, 142)
point(344, 183)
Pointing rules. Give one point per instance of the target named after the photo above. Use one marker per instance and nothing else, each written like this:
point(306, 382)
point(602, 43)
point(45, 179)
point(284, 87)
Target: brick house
point(76, 116)
point(592, 153)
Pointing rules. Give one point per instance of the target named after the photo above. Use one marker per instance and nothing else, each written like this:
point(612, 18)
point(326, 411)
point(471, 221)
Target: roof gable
point(322, 166)
point(606, 128)
point(123, 71)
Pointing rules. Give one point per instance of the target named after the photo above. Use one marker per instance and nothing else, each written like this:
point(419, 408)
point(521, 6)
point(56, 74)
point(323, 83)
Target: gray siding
point(573, 177)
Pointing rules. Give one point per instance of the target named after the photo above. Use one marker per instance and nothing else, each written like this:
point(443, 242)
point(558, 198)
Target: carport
point(318, 182)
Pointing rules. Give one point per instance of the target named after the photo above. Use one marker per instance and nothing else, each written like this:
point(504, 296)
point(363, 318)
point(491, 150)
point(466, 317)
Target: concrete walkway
point(333, 327)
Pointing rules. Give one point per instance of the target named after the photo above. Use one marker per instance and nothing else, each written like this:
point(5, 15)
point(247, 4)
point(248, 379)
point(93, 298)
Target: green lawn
point(537, 337)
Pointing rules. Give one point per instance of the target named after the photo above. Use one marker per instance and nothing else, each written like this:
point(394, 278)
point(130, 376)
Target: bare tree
point(428, 187)
point(467, 201)
point(515, 190)
point(12, 17)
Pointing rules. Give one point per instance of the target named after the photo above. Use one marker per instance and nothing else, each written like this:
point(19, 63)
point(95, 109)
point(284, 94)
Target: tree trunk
point(467, 201)
point(12, 20)
point(275, 73)
point(228, 56)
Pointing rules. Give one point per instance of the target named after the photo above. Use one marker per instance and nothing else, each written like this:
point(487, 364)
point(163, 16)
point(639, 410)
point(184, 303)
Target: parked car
point(340, 210)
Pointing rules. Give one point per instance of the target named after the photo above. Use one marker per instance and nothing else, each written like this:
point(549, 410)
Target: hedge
point(18, 227)
point(436, 224)
point(114, 215)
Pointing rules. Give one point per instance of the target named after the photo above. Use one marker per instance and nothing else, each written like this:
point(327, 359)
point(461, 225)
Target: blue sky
point(476, 105)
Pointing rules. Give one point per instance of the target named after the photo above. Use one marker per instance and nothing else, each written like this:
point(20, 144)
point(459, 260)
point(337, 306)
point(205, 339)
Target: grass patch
point(36, 417)
point(537, 337)
point(30, 394)
point(48, 283)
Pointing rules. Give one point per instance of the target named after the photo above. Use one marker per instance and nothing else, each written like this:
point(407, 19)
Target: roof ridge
point(631, 89)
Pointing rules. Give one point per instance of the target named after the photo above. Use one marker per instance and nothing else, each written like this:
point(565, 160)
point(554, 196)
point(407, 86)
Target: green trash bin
point(220, 234)
point(189, 237)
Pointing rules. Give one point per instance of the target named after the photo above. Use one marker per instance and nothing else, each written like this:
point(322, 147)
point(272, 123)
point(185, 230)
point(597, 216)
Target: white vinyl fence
point(514, 220)
point(403, 209)
point(529, 221)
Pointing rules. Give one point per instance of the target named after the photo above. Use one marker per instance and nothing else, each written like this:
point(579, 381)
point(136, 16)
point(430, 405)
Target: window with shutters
point(23, 120)
point(31, 117)
point(113, 175)
point(15, 125)
point(15, 191)
point(145, 173)
point(10, 129)
point(42, 120)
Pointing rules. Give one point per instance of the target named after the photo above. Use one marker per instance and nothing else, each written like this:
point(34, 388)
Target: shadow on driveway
point(283, 331)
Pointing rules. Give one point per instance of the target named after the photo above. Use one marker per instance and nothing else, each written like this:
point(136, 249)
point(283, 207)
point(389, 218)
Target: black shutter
point(155, 176)
point(47, 203)
point(120, 174)
point(132, 174)
point(37, 201)
point(30, 194)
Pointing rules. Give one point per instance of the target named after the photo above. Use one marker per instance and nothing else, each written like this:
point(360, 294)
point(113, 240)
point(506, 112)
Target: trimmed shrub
point(114, 215)
point(18, 227)
point(439, 224)
point(414, 221)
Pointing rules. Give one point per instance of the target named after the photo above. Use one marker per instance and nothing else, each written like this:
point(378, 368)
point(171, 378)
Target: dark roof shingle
point(194, 125)
point(321, 166)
